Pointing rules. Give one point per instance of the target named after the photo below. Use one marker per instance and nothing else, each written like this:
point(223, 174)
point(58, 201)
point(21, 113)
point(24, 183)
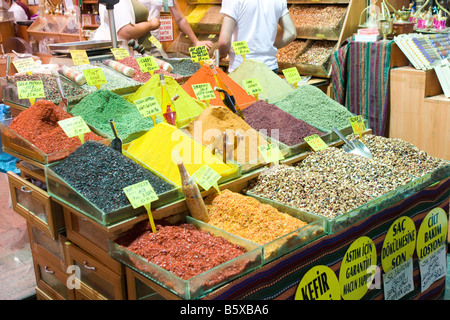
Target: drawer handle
point(23, 189)
point(48, 271)
point(87, 267)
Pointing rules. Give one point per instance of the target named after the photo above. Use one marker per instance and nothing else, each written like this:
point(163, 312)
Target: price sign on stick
point(292, 76)
point(79, 57)
point(95, 77)
point(148, 107)
point(199, 54)
point(241, 48)
point(252, 86)
point(206, 177)
point(147, 64)
point(271, 153)
point(30, 90)
point(316, 142)
point(74, 126)
point(204, 91)
point(119, 53)
point(358, 125)
point(155, 42)
point(142, 194)
point(25, 65)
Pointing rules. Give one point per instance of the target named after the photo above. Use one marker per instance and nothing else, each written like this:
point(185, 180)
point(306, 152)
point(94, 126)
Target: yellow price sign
point(319, 283)
point(147, 64)
point(142, 194)
point(358, 125)
point(271, 153)
point(30, 90)
point(292, 75)
point(119, 53)
point(74, 126)
point(203, 91)
point(316, 142)
point(199, 54)
point(240, 48)
point(148, 106)
point(432, 233)
point(95, 77)
point(252, 86)
point(24, 65)
point(79, 57)
point(206, 177)
point(155, 42)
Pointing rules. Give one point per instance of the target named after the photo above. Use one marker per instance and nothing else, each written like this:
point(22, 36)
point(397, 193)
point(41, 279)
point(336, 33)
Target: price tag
point(24, 65)
point(199, 54)
point(155, 42)
point(203, 91)
point(142, 194)
point(148, 106)
point(119, 53)
point(95, 77)
point(206, 177)
point(147, 64)
point(316, 142)
point(358, 125)
point(292, 75)
point(252, 86)
point(79, 57)
point(271, 153)
point(30, 90)
point(74, 126)
point(240, 48)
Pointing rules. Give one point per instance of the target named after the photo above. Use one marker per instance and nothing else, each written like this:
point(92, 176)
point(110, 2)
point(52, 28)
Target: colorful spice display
point(38, 124)
point(143, 77)
point(317, 19)
point(248, 218)
point(317, 54)
point(274, 88)
point(100, 173)
point(313, 106)
point(99, 106)
point(183, 249)
point(183, 67)
point(205, 75)
point(289, 53)
point(218, 119)
point(155, 148)
point(278, 124)
point(185, 106)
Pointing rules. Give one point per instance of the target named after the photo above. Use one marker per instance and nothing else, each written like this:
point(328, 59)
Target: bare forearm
point(139, 29)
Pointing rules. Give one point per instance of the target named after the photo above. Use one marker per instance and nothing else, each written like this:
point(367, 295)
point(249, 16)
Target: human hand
point(206, 43)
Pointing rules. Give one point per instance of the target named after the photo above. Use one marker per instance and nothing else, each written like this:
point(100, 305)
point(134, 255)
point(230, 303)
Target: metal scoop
point(116, 143)
point(354, 146)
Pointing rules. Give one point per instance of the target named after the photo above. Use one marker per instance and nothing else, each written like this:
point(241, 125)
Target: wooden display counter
point(419, 112)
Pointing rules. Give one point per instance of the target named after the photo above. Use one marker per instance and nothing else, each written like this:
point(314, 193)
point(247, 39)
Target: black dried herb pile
point(100, 173)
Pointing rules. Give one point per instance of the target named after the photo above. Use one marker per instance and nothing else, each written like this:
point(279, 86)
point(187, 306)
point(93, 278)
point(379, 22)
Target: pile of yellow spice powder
point(248, 218)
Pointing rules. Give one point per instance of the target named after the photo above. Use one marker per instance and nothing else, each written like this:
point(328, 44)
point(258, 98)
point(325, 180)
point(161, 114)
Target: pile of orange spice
point(248, 218)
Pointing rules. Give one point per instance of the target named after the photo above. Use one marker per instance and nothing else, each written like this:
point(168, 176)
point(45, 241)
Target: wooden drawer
point(35, 205)
point(41, 295)
point(141, 288)
point(97, 281)
point(51, 279)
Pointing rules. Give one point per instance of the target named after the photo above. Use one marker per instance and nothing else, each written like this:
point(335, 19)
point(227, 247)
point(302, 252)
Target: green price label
point(119, 53)
point(271, 153)
point(140, 194)
point(206, 177)
point(240, 47)
point(79, 57)
point(252, 86)
point(74, 126)
point(358, 125)
point(148, 106)
point(316, 142)
point(94, 77)
point(292, 75)
point(199, 54)
point(147, 64)
point(24, 65)
point(30, 89)
point(203, 91)
point(155, 42)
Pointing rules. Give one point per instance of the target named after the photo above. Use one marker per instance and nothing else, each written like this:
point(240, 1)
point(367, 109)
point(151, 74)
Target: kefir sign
point(319, 283)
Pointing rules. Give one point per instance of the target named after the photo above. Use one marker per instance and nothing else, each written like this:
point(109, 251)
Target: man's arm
point(226, 31)
point(288, 34)
point(130, 31)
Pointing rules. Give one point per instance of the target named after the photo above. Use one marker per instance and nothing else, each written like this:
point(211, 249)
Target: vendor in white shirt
point(12, 6)
point(131, 21)
point(255, 21)
point(155, 6)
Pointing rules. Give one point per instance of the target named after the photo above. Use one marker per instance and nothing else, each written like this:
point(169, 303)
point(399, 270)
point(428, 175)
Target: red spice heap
point(183, 250)
point(39, 125)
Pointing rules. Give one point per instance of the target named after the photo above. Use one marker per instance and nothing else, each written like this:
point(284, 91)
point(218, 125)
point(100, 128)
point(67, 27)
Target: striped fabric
point(360, 75)
point(279, 279)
